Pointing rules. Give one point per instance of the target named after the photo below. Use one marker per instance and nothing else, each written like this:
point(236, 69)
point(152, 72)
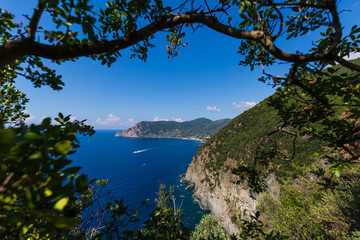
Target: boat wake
point(140, 151)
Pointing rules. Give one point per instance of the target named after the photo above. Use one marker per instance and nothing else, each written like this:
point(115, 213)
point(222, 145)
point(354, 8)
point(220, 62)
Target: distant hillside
point(200, 129)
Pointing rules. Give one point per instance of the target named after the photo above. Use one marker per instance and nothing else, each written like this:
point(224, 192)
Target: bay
point(135, 168)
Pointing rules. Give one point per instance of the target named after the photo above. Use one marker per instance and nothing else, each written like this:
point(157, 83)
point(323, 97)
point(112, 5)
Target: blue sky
point(204, 81)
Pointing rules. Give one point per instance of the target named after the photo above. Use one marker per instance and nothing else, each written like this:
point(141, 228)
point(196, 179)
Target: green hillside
point(244, 137)
point(200, 128)
point(239, 140)
point(312, 197)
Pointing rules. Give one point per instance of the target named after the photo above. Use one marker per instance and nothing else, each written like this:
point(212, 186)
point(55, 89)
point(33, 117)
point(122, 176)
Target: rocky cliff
point(210, 171)
point(200, 128)
point(225, 198)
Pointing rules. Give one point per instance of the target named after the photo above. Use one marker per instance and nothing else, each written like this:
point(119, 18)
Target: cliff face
point(196, 129)
point(218, 189)
point(224, 198)
point(139, 130)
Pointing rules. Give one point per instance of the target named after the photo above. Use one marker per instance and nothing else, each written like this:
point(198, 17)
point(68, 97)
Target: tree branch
point(292, 4)
point(35, 19)
point(13, 50)
point(336, 24)
point(292, 79)
point(281, 24)
point(346, 63)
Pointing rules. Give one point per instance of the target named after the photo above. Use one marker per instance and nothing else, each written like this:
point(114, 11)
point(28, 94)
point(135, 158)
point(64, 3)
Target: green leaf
point(47, 192)
point(144, 202)
point(35, 155)
point(46, 123)
point(32, 136)
point(59, 205)
point(63, 147)
point(241, 8)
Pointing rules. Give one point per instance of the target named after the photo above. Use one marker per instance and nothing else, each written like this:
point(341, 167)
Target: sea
point(136, 167)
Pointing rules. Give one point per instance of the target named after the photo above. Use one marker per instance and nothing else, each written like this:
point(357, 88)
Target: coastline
point(187, 138)
point(194, 196)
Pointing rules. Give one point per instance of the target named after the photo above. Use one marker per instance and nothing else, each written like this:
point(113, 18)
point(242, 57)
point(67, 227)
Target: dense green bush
point(209, 228)
point(307, 212)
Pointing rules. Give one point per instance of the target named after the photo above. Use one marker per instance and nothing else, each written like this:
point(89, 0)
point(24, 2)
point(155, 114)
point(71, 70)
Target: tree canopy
point(80, 29)
point(314, 98)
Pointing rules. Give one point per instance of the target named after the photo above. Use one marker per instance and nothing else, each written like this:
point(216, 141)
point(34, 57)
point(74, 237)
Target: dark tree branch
point(336, 24)
point(262, 140)
point(281, 24)
point(292, 4)
point(292, 79)
point(307, 89)
point(13, 50)
point(278, 130)
point(346, 63)
point(35, 19)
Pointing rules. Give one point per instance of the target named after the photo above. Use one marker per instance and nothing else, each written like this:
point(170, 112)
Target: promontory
point(199, 129)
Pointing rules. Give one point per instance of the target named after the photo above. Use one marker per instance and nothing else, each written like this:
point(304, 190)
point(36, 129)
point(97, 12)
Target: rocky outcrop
point(219, 193)
point(136, 131)
point(191, 186)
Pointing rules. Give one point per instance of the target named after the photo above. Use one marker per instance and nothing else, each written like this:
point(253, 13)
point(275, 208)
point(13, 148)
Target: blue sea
point(135, 168)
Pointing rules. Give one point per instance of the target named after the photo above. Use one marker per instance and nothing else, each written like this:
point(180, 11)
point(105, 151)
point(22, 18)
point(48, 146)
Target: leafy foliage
point(306, 212)
point(12, 101)
point(330, 116)
point(33, 163)
point(165, 222)
point(209, 228)
point(243, 139)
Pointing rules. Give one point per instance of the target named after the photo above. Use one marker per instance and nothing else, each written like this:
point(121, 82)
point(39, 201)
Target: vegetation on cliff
point(312, 203)
point(305, 211)
point(243, 139)
point(200, 128)
point(209, 228)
